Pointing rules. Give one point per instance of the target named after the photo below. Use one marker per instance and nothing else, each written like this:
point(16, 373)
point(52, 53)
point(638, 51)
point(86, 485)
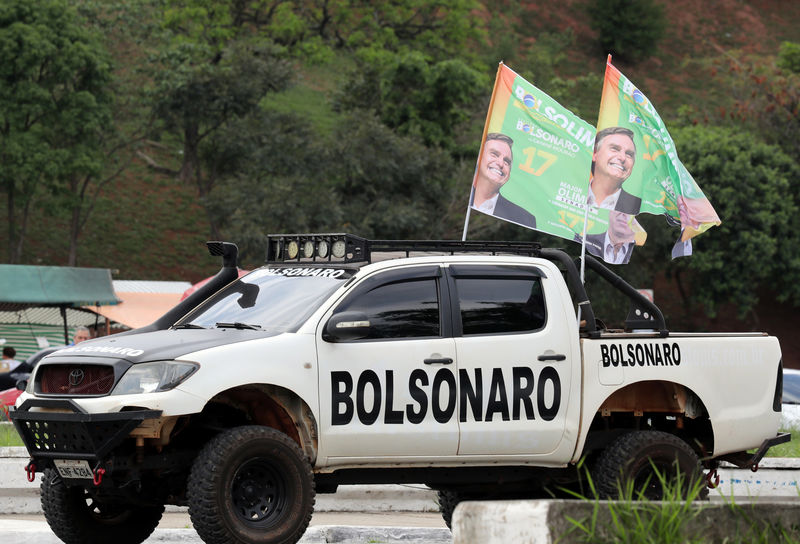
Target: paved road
point(326, 527)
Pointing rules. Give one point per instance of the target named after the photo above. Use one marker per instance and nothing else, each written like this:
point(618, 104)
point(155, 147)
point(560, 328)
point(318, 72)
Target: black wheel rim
point(646, 482)
point(105, 513)
point(259, 493)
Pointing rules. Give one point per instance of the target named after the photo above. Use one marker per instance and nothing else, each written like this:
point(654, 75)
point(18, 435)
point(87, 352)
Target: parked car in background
point(8, 380)
point(791, 399)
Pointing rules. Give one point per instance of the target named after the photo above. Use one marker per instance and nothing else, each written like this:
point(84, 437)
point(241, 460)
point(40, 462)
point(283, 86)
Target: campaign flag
point(534, 159)
point(636, 168)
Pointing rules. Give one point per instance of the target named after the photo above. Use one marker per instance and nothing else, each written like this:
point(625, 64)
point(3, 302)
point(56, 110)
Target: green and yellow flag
point(657, 181)
point(534, 159)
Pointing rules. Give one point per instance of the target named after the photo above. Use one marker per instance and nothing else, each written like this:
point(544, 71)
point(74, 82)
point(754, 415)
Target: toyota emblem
point(76, 377)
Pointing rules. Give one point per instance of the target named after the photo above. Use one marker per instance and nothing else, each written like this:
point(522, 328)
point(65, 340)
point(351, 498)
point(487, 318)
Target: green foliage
point(676, 519)
point(55, 105)
point(789, 57)
point(196, 93)
point(628, 29)
point(635, 519)
point(8, 434)
point(363, 179)
point(269, 181)
point(390, 186)
point(787, 449)
point(753, 187)
point(416, 96)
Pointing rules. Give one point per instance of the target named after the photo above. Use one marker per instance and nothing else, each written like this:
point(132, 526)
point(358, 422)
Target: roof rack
point(348, 248)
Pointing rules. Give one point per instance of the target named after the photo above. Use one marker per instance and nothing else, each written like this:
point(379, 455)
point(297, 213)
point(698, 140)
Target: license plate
point(73, 468)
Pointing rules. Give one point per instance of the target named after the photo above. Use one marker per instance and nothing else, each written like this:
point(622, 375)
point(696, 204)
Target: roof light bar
point(316, 248)
point(348, 248)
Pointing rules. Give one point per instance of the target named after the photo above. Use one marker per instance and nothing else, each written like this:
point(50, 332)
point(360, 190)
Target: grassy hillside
point(150, 226)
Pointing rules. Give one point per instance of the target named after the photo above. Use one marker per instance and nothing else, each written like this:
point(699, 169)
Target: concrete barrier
point(548, 521)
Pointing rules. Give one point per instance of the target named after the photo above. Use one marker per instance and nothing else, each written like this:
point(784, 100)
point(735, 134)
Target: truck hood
point(156, 346)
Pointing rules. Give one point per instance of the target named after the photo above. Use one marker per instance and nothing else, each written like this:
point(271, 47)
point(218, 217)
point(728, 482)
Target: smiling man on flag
point(636, 158)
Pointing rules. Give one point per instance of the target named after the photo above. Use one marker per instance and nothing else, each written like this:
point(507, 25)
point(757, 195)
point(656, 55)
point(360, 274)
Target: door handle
point(439, 361)
point(552, 357)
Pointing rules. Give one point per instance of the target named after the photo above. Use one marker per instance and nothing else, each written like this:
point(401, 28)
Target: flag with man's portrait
point(538, 154)
point(659, 178)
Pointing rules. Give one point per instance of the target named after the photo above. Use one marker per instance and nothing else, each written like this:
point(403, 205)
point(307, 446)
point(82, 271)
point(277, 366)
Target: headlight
point(154, 377)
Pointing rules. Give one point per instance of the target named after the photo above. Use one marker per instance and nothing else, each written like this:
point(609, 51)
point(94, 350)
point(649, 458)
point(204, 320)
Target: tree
point(392, 186)
point(764, 97)
point(415, 96)
point(753, 187)
point(196, 94)
point(627, 28)
point(54, 104)
point(272, 176)
point(789, 57)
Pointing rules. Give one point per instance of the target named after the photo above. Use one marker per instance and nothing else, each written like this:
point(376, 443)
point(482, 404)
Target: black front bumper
point(70, 432)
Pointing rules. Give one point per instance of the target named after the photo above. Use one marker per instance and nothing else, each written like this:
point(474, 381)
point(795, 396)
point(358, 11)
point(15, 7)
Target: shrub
point(628, 29)
point(789, 57)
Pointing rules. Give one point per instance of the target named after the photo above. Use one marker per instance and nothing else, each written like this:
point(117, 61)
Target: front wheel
point(251, 485)
point(76, 517)
point(448, 500)
point(638, 458)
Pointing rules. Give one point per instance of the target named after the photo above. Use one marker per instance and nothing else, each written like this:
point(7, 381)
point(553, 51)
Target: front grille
point(76, 379)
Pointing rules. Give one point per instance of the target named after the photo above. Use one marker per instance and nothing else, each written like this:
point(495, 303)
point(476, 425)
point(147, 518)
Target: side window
point(400, 309)
point(495, 305)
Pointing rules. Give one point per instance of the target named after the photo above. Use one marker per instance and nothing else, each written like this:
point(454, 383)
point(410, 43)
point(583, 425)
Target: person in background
point(8, 362)
point(81, 334)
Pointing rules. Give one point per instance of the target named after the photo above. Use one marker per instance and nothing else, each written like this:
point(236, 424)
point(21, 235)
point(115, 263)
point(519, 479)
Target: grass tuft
point(633, 519)
point(9, 436)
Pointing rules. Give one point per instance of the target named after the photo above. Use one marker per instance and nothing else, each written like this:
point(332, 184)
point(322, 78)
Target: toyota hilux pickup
point(476, 368)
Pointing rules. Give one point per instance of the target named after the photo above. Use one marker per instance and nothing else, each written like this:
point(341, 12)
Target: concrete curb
point(777, 478)
point(19, 496)
point(547, 521)
point(37, 532)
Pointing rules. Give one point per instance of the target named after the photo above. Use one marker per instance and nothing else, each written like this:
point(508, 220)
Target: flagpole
point(586, 217)
point(480, 154)
point(469, 209)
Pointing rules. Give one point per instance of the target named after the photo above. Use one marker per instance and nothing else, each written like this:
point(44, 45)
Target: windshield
point(268, 299)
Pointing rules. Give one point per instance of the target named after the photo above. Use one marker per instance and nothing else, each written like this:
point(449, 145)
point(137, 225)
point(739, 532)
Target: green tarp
point(23, 286)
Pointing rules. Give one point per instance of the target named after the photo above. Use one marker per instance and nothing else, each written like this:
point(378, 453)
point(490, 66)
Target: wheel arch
point(652, 404)
point(271, 406)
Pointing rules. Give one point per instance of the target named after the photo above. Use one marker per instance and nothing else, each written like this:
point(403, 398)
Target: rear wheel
point(78, 518)
point(638, 457)
point(251, 485)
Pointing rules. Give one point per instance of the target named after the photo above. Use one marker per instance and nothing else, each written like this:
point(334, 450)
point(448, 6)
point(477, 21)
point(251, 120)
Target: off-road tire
point(448, 500)
point(76, 518)
point(632, 457)
point(251, 485)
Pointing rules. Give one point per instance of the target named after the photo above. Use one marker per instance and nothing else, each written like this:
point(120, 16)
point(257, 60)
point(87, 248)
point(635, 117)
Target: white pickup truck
point(460, 365)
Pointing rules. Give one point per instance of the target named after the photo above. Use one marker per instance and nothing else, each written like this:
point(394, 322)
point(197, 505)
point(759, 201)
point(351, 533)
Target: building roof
point(23, 286)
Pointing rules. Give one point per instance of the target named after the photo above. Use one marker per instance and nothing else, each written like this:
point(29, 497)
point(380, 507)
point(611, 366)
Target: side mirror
point(347, 326)
point(22, 385)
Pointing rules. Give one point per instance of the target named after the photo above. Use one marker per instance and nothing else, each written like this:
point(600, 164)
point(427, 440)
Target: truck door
point(515, 363)
point(393, 392)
